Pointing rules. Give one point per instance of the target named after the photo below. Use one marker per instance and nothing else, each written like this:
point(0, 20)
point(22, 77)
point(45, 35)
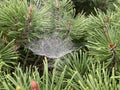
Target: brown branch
point(111, 45)
point(57, 14)
point(28, 23)
point(6, 38)
point(114, 60)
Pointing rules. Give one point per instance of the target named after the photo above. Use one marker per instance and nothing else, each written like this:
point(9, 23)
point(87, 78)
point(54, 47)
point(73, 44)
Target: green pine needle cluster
point(94, 66)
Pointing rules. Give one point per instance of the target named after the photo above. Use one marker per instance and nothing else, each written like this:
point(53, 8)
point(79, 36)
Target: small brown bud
point(106, 20)
point(69, 24)
point(30, 10)
point(112, 46)
point(16, 47)
point(57, 4)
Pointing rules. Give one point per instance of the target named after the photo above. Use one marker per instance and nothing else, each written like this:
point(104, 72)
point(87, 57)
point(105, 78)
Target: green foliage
point(98, 78)
point(13, 17)
point(49, 81)
point(103, 37)
point(19, 21)
point(95, 69)
point(77, 61)
point(7, 54)
point(58, 19)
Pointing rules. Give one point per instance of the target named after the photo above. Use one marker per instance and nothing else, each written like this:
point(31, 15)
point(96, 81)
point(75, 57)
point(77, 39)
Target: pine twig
point(28, 23)
point(111, 45)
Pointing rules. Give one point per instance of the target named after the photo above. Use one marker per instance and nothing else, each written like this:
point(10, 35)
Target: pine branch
point(112, 46)
point(28, 24)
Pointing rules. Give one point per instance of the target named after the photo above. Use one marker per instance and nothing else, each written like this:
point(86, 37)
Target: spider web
point(52, 46)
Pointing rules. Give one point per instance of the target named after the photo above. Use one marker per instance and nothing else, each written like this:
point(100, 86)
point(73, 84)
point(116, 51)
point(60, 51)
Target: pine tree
point(93, 66)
